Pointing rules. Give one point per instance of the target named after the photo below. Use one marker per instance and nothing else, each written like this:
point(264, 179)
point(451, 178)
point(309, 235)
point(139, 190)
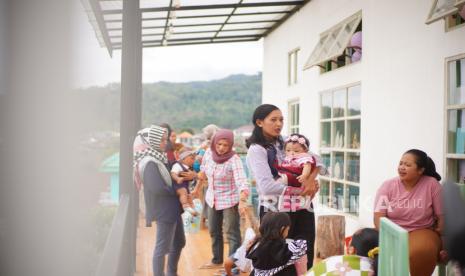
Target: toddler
point(298, 165)
point(178, 170)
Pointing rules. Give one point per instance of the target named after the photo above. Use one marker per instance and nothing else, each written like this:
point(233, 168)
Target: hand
point(242, 207)
point(202, 176)
point(311, 187)
point(188, 176)
point(300, 179)
point(243, 203)
point(443, 256)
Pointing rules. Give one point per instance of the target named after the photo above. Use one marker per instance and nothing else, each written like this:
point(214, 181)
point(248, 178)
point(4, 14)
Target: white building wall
point(402, 74)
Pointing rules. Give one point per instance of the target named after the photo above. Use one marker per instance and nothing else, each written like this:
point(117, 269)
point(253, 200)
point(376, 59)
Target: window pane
point(338, 165)
point(353, 167)
point(353, 101)
point(326, 106)
point(351, 201)
point(456, 131)
point(324, 192)
point(338, 134)
point(338, 196)
point(457, 82)
point(325, 158)
point(353, 133)
point(456, 170)
point(325, 134)
point(297, 113)
point(339, 103)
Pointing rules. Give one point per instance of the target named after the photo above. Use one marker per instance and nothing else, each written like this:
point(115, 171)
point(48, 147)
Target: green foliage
point(227, 102)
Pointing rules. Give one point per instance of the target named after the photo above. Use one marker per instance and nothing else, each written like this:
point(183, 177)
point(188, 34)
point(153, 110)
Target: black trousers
point(303, 228)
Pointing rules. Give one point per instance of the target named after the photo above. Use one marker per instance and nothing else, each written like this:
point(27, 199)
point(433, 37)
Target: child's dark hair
point(425, 162)
point(272, 225)
point(290, 140)
point(257, 137)
point(365, 240)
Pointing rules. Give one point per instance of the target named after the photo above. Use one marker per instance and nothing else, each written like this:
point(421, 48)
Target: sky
point(94, 66)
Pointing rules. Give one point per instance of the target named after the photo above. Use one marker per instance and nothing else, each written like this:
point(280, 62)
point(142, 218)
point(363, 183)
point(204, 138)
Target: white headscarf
point(147, 148)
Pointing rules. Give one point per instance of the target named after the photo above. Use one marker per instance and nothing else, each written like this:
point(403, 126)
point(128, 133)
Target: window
point(294, 109)
point(455, 116)
point(456, 19)
point(292, 58)
point(451, 10)
point(340, 117)
point(338, 46)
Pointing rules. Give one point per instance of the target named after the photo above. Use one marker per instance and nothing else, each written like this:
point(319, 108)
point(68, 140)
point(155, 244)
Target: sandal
point(210, 265)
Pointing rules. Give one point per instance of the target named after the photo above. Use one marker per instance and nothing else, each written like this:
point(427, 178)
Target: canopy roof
point(186, 22)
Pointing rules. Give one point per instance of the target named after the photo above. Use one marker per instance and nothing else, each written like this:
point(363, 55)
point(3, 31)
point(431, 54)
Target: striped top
point(225, 181)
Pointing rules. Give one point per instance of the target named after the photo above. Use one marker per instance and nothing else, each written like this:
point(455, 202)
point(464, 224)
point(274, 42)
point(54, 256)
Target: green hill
point(227, 102)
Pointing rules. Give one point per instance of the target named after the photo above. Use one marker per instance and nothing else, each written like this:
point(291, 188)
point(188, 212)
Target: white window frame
point(446, 10)
point(333, 41)
point(448, 19)
point(448, 107)
point(293, 111)
point(345, 150)
point(292, 65)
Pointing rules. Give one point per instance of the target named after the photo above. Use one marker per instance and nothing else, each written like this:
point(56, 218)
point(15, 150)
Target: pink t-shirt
point(412, 210)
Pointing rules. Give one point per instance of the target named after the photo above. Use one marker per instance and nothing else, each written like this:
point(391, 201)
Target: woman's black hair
point(257, 137)
point(307, 142)
point(169, 145)
point(272, 225)
point(365, 240)
point(424, 161)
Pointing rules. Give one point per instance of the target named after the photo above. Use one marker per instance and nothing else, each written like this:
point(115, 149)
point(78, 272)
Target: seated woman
point(413, 201)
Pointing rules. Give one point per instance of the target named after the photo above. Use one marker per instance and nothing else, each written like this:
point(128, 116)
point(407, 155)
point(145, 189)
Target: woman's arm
point(257, 161)
point(377, 217)
point(154, 182)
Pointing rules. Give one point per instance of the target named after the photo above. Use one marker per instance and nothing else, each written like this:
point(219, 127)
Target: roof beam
point(219, 6)
point(256, 37)
point(284, 18)
point(203, 24)
point(193, 43)
point(204, 16)
point(199, 32)
point(94, 4)
point(226, 21)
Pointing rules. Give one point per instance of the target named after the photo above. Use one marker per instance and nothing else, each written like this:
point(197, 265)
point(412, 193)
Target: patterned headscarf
point(147, 144)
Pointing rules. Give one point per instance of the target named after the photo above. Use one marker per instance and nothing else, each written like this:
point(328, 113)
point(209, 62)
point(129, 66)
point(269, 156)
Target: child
point(299, 165)
point(362, 258)
point(238, 262)
point(270, 253)
point(186, 160)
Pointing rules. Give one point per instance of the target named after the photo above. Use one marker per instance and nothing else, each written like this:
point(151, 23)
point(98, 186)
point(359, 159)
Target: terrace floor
point(196, 252)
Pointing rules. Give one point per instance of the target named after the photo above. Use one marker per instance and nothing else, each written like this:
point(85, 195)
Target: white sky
point(93, 65)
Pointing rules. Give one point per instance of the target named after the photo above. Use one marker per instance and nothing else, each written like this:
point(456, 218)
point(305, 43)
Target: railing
point(118, 257)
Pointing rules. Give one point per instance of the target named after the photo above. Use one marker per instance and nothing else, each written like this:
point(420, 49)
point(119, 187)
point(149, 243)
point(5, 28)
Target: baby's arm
point(309, 172)
point(177, 178)
point(306, 171)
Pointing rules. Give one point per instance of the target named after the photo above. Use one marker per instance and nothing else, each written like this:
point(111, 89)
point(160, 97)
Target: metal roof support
point(219, 6)
point(131, 114)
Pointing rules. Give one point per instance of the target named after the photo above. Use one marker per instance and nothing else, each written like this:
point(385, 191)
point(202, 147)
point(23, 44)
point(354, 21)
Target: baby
point(183, 165)
point(299, 165)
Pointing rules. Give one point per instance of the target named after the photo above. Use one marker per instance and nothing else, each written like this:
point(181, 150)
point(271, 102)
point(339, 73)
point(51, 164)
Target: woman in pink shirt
point(413, 201)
